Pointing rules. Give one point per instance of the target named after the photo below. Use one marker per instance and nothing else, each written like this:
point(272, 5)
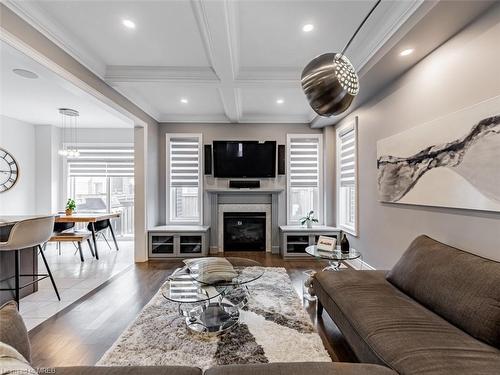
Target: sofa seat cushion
point(299, 368)
point(126, 370)
point(461, 287)
point(400, 332)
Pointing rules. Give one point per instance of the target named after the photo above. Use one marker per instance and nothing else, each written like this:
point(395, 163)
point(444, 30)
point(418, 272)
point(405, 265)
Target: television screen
point(244, 159)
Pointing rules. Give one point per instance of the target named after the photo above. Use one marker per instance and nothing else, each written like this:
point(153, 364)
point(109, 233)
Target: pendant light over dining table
point(330, 82)
point(69, 126)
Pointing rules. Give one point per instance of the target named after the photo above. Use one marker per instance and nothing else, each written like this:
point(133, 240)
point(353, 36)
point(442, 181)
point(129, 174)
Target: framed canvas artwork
point(453, 161)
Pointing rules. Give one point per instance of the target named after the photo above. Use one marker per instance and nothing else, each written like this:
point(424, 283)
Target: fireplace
point(244, 231)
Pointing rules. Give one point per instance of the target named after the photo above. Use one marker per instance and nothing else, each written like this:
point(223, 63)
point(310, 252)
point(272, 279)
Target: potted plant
point(70, 206)
point(309, 219)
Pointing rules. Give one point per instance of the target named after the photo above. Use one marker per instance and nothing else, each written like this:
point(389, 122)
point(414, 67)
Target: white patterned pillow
point(12, 362)
point(211, 270)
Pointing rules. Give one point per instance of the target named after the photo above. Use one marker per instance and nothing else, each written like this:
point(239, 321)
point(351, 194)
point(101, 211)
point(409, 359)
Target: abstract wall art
point(453, 161)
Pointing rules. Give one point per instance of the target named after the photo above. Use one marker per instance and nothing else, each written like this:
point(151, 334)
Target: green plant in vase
point(70, 206)
point(309, 219)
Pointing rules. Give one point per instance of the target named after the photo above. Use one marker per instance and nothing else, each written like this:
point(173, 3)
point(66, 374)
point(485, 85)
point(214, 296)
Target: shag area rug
point(274, 327)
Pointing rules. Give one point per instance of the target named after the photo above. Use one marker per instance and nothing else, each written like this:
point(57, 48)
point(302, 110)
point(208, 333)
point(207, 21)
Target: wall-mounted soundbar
point(244, 184)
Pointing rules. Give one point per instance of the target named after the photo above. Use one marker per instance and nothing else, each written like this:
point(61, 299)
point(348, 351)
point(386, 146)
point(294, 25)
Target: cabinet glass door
point(191, 244)
point(162, 244)
point(297, 244)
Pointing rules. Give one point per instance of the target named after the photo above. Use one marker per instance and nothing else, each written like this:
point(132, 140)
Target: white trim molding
point(359, 264)
point(320, 210)
point(349, 127)
point(168, 137)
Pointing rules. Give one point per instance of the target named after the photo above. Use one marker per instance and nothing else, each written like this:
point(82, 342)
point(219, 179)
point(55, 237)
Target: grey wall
point(211, 132)
point(462, 72)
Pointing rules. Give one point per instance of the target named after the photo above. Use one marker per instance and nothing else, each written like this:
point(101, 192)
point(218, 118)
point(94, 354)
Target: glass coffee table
point(335, 257)
point(211, 308)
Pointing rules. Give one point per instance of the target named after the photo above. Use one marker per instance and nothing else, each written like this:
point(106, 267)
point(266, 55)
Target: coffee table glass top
point(182, 288)
point(247, 270)
point(332, 255)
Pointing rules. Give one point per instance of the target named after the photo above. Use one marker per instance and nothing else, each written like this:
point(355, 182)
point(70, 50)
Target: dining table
point(92, 218)
point(29, 256)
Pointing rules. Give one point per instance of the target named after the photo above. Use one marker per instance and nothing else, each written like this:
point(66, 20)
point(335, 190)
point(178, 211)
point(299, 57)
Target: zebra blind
point(304, 160)
point(347, 160)
point(105, 161)
point(184, 161)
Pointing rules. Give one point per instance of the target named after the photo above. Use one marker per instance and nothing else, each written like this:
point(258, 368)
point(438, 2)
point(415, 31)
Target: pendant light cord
point(359, 27)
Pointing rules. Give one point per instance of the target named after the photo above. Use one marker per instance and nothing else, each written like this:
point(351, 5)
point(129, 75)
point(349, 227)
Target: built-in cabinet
point(295, 239)
point(178, 241)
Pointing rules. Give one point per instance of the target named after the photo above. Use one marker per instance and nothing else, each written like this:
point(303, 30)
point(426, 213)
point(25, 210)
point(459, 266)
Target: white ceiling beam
point(216, 22)
point(173, 74)
point(204, 76)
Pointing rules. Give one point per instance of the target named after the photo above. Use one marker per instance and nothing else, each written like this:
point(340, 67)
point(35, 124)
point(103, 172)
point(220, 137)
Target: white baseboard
point(359, 264)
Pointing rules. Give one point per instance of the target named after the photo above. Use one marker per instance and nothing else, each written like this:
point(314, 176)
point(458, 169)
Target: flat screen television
point(244, 159)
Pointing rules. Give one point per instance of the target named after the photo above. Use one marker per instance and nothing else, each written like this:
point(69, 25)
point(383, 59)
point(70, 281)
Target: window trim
point(321, 199)
point(340, 131)
point(168, 136)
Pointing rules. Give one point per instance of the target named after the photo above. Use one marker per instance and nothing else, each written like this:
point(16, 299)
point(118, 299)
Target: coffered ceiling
point(213, 60)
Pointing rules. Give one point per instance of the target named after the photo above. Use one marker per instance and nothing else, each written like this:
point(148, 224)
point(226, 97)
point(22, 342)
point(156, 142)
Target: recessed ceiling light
point(406, 52)
point(25, 73)
point(128, 24)
point(308, 27)
point(184, 101)
point(280, 101)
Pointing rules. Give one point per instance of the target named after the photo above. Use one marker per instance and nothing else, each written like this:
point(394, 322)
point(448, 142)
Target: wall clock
point(9, 171)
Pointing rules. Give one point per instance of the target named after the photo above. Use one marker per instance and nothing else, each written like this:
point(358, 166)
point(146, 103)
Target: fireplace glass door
point(244, 231)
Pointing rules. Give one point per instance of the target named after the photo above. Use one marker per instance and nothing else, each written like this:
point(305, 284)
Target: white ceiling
point(231, 59)
point(36, 101)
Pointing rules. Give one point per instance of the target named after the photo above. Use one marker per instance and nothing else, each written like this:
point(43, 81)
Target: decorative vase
point(69, 212)
point(344, 244)
point(309, 224)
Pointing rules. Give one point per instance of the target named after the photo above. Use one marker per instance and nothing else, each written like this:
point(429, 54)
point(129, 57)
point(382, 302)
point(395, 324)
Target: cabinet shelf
point(295, 239)
point(177, 242)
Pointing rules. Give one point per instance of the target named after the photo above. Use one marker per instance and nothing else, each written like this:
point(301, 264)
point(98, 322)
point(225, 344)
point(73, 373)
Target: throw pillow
point(211, 270)
point(13, 331)
point(12, 362)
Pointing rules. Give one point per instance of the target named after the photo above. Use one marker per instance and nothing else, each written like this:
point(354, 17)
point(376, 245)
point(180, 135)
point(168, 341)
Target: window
point(347, 177)
point(184, 180)
point(305, 176)
point(101, 179)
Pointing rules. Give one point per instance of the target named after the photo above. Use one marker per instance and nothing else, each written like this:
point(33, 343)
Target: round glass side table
point(335, 257)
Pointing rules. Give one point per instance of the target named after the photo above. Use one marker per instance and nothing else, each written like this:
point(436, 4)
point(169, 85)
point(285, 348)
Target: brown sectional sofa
point(436, 312)
point(15, 356)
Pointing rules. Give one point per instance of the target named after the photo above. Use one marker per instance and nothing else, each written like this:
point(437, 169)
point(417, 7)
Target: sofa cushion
point(12, 362)
point(127, 370)
point(461, 287)
point(13, 331)
point(398, 331)
point(308, 368)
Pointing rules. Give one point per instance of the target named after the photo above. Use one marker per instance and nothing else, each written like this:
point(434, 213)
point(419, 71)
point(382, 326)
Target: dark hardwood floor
point(81, 333)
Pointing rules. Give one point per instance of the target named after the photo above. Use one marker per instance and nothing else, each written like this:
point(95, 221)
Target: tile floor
point(74, 279)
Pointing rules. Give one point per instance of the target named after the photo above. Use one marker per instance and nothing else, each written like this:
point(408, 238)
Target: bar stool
point(25, 234)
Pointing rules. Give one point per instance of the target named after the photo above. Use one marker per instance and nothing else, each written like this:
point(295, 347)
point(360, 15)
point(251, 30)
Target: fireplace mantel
point(224, 195)
point(244, 191)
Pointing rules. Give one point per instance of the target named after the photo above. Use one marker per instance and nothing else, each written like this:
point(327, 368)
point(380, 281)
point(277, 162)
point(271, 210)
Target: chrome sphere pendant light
point(330, 81)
